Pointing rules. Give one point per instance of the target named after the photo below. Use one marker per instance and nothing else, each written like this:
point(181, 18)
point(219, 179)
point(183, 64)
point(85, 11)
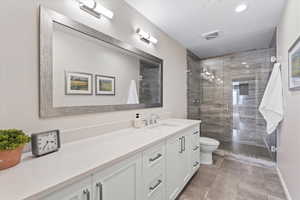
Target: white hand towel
point(271, 106)
point(132, 94)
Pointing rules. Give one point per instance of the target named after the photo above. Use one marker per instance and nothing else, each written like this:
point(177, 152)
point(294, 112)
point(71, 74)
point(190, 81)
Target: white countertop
point(34, 176)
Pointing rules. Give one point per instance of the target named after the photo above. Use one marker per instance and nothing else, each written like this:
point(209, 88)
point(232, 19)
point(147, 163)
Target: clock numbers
point(46, 142)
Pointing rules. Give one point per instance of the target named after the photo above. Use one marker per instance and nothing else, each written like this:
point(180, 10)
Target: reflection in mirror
point(149, 84)
point(88, 71)
point(85, 71)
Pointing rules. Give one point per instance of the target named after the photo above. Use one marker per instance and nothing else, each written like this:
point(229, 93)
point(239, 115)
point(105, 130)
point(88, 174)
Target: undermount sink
point(160, 125)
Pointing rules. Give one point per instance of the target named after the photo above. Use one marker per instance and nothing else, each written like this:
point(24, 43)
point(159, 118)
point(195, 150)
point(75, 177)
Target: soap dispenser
point(138, 122)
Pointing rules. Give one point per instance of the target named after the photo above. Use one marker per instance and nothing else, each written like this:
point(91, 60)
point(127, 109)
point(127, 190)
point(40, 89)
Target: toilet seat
point(208, 141)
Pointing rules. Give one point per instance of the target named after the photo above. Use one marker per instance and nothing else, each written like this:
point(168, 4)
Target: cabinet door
point(120, 182)
point(81, 190)
point(173, 177)
point(184, 160)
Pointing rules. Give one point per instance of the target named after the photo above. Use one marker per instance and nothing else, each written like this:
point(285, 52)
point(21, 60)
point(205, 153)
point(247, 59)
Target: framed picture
point(78, 83)
point(294, 66)
point(105, 85)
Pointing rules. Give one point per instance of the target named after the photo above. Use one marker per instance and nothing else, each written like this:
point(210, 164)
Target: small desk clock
point(45, 142)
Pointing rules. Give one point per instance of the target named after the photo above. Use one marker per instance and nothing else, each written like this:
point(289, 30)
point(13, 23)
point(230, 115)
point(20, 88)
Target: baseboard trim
point(286, 191)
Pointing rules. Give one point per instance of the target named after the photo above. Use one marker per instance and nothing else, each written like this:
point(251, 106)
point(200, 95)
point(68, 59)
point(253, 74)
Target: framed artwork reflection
point(105, 85)
point(78, 83)
point(294, 66)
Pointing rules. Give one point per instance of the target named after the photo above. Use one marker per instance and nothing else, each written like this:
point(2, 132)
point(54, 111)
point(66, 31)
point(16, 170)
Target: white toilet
point(207, 147)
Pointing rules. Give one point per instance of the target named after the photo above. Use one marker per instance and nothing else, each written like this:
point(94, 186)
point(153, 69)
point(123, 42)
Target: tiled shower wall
point(149, 85)
point(229, 111)
point(194, 89)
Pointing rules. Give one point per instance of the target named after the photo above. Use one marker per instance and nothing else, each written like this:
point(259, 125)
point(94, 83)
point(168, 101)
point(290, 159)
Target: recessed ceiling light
point(244, 63)
point(241, 8)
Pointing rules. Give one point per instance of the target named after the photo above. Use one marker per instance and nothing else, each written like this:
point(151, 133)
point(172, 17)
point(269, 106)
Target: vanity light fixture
point(95, 9)
point(146, 37)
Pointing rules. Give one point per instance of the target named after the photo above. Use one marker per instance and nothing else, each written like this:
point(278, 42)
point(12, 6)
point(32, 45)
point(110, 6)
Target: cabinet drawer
point(153, 160)
point(195, 137)
point(153, 172)
point(195, 159)
point(155, 188)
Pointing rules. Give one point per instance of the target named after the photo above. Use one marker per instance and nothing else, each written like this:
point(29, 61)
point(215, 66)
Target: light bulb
point(241, 8)
point(88, 3)
point(104, 11)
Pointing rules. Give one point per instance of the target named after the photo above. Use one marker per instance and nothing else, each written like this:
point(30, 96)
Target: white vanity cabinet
point(182, 161)
point(195, 149)
point(81, 190)
point(158, 172)
point(177, 164)
point(121, 181)
point(154, 172)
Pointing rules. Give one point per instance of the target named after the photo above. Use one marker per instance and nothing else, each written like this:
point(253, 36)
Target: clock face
point(47, 142)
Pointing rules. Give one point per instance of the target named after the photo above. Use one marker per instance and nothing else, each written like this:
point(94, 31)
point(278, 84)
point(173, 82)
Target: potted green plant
point(12, 142)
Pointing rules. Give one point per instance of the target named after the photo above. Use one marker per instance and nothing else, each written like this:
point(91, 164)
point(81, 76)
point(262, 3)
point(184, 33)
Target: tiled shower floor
point(247, 150)
point(233, 180)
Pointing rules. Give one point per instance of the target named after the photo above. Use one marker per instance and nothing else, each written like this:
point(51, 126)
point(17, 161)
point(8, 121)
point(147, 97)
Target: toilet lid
point(209, 141)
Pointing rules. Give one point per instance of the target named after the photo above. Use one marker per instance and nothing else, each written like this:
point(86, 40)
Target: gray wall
point(288, 155)
point(19, 66)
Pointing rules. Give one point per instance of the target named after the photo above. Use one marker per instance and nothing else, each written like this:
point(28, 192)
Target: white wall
point(76, 52)
point(288, 155)
point(20, 55)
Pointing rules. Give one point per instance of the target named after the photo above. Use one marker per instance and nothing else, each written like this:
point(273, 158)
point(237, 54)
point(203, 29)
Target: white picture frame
point(294, 65)
point(105, 85)
point(78, 83)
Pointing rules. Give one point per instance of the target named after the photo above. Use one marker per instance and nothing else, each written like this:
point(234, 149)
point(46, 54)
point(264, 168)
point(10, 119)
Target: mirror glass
point(91, 72)
point(84, 71)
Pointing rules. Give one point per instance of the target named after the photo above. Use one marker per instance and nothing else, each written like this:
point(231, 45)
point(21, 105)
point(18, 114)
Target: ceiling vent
point(211, 35)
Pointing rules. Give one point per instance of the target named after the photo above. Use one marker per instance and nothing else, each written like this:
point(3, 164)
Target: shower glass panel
point(214, 107)
point(229, 101)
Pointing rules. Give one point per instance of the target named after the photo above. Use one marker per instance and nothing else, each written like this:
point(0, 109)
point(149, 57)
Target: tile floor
point(247, 150)
point(233, 180)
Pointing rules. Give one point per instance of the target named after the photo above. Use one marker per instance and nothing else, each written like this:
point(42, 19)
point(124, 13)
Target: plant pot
point(10, 158)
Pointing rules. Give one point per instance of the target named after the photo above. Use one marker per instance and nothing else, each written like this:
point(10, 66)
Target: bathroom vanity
point(152, 163)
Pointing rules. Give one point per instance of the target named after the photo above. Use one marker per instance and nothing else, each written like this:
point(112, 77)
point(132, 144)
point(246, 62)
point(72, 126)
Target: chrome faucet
point(153, 119)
